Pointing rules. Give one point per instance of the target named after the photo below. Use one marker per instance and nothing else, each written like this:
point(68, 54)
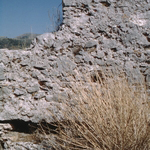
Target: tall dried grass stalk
point(109, 115)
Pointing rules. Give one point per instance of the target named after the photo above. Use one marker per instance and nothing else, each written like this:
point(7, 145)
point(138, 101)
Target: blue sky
point(25, 16)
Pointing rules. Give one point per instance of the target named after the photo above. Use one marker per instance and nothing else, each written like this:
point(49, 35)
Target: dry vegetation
point(109, 115)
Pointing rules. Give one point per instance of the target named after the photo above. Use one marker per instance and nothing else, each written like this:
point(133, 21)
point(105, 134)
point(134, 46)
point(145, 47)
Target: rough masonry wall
point(107, 35)
point(112, 35)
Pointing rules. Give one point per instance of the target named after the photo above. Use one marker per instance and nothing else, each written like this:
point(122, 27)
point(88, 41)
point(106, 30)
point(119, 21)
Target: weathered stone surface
point(148, 79)
point(39, 66)
point(90, 44)
point(39, 95)
point(65, 65)
point(67, 3)
point(49, 98)
point(96, 35)
point(18, 92)
point(1, 104)
point(5, 126)
point(2, 77)
point(33, 89)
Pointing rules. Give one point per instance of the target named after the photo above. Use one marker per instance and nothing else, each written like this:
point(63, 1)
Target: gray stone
point(49, 98)
point(49, 85)
point(110, 62)
point(10, 77)
point(148, 52)
point(148, 79)
point(79, 59)
point(1, 106)
point(147, 72)
point(44, 72)
point(5, 90)
point(68, 3)
point(1, 91)
point(91, 44)
point(100, 54)
point(19, 92)
point(88, 59)
point(52, 58)
point(100, 62)
point(25, 63)
point(40, 66)
point(1, 97)
point(35, 74)
point(65, 65)
point(60, 97)
point(39, 95)
point(45, 39)
point(5, 126)
point(2, 77)
point(33, 89)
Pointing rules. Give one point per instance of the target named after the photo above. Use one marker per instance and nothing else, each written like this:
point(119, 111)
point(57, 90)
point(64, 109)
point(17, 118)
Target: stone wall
point(107, 35)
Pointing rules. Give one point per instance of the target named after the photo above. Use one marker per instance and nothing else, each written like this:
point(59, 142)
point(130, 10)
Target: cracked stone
point(33, 89)
point(19, 92)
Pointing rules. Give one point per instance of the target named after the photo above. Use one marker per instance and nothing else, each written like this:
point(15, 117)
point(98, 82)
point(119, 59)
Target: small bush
point(14, 43)
point(108, 115)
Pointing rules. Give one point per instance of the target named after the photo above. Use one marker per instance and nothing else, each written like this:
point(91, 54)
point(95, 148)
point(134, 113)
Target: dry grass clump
point(109, 115)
